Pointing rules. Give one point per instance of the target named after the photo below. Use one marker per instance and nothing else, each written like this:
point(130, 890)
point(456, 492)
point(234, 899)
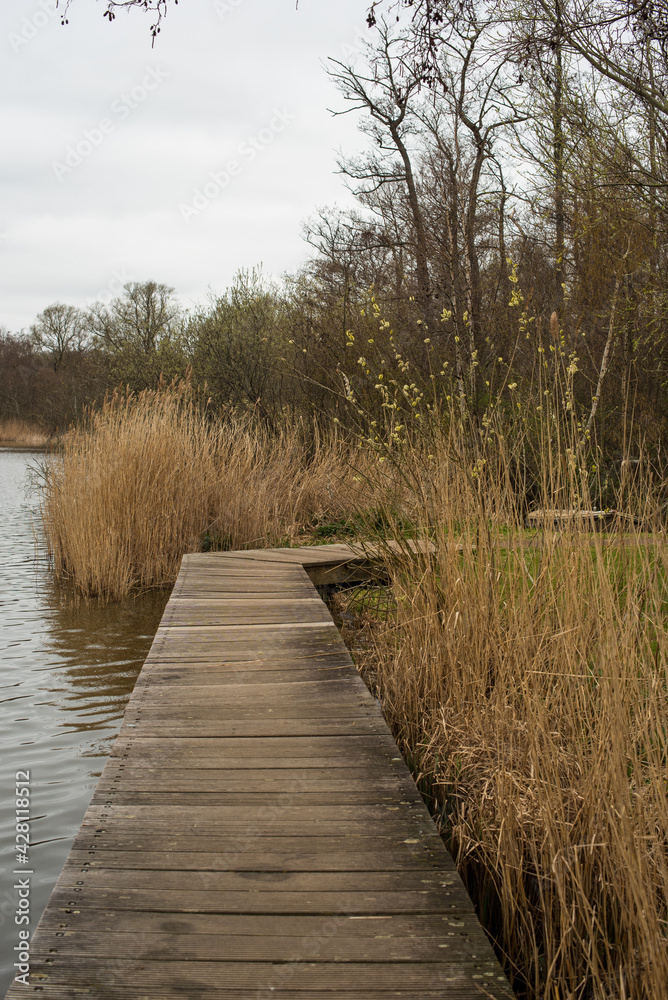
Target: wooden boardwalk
point(255, 832)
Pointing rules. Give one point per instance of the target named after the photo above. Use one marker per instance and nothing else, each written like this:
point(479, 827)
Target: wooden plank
point(252, 781)
point(255, 832)
point(252, 671)
point(179, 946)
point(261, 925)
point(403, 818)
point(292, 854)
point(243, 577)
point(234, 586)
point(199, 566)
point(260, 883)
point(240, 611)
point(255, 675)
point(264, 979)
point(257, 728)
point(330, 552)
point(320, 555)
point(452, 989)
point(339, 747)
point(304, 799)
point(181, 757)
point(240, 572)
point(245, 901)
point(229, 589)
point(241, 697)
point(297, 632)
point(251, 847)
point(311, 699)
point(276, 567)
point(246, 643)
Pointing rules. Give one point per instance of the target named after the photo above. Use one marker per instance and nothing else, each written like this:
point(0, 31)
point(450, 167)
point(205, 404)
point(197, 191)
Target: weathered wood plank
point(180, 779)
point(293, 854)
point(252, 671)
point(258, 882)
point(245, 643)
point(166, 706)
point(201, 980)
point(179, 946)
point(254, 850)
point(306, 555)
point(260, 729)
point(303, 800)
point(260, 925)
point(451, 989)
point(221, 749)
point(255, 675)
point(270, 611)
point(244, 901)
point(309, 721)
point(350, 690)
point(401, 819)
point(311, 702)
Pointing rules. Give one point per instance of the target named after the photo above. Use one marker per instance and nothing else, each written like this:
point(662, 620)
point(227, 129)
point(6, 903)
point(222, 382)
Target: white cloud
point(174, 115)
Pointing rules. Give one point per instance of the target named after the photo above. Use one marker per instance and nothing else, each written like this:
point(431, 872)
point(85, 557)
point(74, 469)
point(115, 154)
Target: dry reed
point(525, 677)
point(22, 434)
point(149, 478)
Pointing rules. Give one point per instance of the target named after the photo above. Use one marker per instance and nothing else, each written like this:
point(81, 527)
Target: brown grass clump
point(526, 677)
point(22, 434)
point(149, 477)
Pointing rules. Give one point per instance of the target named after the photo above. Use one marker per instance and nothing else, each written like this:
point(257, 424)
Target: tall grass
point(525, 677)
point(149, 477)
point(22, 434)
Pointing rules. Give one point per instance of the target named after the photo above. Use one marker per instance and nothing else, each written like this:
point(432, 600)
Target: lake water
point(67, 669)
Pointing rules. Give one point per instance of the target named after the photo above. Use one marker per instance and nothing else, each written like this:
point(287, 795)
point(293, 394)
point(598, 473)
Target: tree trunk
point(421, 251)
point(558, 152)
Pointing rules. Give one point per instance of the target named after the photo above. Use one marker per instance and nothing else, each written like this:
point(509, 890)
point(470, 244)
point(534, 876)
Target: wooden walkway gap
point(255, 832)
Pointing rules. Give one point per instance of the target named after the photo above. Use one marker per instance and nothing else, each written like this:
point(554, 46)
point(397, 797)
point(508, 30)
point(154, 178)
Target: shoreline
point(20, 434)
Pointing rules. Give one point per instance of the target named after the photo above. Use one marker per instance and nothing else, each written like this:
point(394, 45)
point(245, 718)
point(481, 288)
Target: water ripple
point(70, 667)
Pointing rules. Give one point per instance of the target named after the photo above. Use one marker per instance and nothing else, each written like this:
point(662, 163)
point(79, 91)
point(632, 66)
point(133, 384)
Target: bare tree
point(613, 36)
point(477, 108)
point(386, 89)
point(141, 319)
point(58, 331)
point(157, 7)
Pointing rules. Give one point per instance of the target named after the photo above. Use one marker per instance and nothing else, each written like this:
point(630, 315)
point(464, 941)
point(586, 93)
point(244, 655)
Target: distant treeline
point(510, 243)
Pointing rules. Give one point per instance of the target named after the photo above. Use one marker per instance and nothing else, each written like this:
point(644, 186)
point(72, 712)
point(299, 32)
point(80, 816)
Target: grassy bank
point(21, 434)
point(524, 675)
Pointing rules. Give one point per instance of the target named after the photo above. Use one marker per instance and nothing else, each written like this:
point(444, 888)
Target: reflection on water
point(67, 669)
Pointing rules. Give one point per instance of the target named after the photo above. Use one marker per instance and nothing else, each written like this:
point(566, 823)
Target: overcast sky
point(181, 163)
